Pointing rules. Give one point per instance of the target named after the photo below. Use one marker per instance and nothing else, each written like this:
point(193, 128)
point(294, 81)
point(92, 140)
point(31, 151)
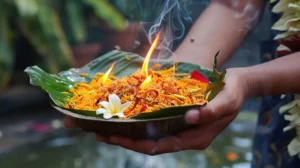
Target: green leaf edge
point(163, 113)
point(217, 79)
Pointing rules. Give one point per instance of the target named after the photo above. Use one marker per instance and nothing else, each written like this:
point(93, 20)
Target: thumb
point(212, 111)
point(70, 122)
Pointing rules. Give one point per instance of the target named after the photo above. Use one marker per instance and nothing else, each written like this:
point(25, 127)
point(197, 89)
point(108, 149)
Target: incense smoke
point(168, 18)
point(250, 12)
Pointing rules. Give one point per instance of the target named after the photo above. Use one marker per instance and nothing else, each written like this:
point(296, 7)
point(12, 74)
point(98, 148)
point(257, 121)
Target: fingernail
point(192, 116)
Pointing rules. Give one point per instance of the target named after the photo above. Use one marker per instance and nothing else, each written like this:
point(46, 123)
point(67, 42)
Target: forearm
point(222, 26)
point(280, 76)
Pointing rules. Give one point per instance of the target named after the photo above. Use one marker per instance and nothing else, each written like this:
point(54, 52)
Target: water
point(43, 142)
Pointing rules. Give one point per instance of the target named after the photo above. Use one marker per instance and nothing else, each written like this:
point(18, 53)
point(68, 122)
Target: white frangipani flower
point(113, 107)
point(293, 116)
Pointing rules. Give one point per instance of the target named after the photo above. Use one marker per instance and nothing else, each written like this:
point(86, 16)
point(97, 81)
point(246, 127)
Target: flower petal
point(101, 111)
point(107, 116)
point(287, 107)
point(125, 106)
point(295, 110)
point(290, 117)
point(287, 128)
point(115, 102)
point(294, 147)
point(105, 104)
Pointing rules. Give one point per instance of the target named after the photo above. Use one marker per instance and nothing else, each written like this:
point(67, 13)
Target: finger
point(212, 111)
point(165, 145)
point(202, 136)
point(141, 146)
point(212, 132)
point(191, 139)
point(168, 145)
point(197, 137)
point(70, 122)
point(102, 138)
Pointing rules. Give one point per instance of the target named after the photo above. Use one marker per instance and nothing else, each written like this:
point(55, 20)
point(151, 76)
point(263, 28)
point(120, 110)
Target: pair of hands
point(211, 120)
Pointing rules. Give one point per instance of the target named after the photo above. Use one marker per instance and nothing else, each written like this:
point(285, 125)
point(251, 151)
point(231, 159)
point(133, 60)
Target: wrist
point(253, 83)
point(202, 57)
point(239, 77)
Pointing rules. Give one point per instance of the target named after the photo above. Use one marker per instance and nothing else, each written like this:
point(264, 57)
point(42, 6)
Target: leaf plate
point(55, 84)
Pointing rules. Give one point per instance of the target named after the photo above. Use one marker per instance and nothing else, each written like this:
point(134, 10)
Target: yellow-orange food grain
point(166, 89)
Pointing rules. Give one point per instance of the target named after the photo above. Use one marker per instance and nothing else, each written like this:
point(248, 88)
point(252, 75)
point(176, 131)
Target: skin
point(222, 20)
point(279, 76)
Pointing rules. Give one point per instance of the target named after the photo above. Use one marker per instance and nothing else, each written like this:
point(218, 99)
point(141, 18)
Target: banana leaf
point(75, 19)
point(6, 51)
point(62, 82)
point(45, 33)
point(27, 9)
point(106, 11)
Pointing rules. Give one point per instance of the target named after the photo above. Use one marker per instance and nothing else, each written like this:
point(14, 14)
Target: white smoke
point(169, 19)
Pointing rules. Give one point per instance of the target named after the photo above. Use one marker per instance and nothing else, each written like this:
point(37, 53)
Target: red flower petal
point(198, 76)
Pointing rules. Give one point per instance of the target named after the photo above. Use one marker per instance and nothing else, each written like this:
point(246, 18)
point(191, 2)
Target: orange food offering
point(148, 90)
point(161, 89)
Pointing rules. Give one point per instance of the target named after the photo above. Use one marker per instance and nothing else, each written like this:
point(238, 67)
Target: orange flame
point(104, 78)
point(149, 54)
point(147, 80)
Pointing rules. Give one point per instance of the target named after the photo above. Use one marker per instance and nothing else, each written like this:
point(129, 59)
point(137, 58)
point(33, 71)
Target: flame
point(107, 73)
point(147, 80)
point(149, 54)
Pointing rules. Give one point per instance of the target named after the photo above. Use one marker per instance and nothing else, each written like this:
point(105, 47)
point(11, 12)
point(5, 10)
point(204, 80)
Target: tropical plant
point(40, 22)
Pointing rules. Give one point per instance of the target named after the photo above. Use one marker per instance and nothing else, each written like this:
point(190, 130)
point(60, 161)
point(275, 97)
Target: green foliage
point(107, 12)
point(40, 23)
point(6, 52)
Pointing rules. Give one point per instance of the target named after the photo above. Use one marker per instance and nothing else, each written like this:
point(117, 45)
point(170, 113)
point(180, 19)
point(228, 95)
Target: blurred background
point(59, 34)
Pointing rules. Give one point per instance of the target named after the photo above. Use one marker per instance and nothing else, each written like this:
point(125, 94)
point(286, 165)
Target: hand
point(211, 120)
point(70, 122)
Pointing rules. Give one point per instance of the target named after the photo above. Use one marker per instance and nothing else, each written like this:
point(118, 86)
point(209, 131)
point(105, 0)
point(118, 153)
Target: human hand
point(210, 120)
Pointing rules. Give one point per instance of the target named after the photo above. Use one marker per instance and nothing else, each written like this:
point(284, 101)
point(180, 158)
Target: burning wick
point(149, 54)
point(104, 78)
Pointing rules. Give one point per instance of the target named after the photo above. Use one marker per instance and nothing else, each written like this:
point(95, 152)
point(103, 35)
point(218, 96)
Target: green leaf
point(131, 9)
point(56, 84)
point(217, 76)
point(104, 10)
point(26, 9)
point(6, 51)
point(52, 84)
point(213, 89)
point(167, 112)
point(75, 19)
point(216, 80)
point(45, 33)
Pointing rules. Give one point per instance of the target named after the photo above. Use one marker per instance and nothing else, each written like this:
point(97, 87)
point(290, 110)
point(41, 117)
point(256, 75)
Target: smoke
point(250, 13)
point(166, 16)
point(170, 16)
